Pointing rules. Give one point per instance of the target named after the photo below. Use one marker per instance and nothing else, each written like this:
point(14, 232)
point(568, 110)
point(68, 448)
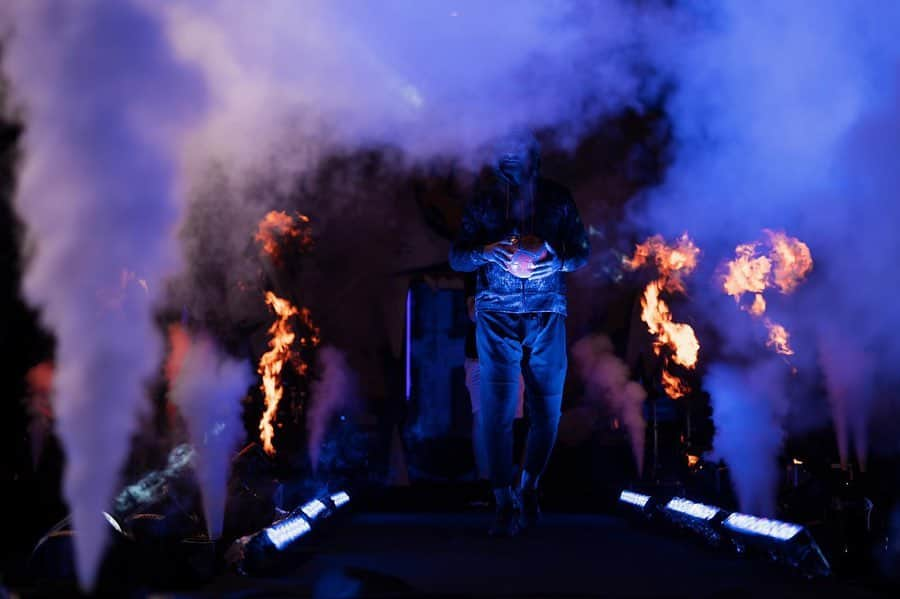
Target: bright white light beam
point(634, 498)
point(287, 531)
point(340, 498)
point(783, 531)
point(692, 508)
point(313, 509)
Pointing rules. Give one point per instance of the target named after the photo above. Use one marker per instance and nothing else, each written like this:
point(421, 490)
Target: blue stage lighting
point(699, 518)
point(287, 531)
point(782, 531)
point(636, 499)
point(785, 542)
point(312, 509)
point(340, 498)
point(692, 508)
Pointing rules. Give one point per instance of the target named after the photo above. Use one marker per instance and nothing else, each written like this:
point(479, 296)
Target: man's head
point(518, 156)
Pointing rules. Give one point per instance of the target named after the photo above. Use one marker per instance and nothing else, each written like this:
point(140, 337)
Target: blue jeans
point(533, 344)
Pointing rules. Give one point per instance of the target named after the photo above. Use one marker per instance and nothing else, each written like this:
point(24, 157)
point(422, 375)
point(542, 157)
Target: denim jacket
point(487, 219)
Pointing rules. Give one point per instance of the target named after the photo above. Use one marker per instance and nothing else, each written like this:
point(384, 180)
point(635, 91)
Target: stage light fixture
point(636, 499)
point(785, 542)
point(287, 531)
point(268, 549)
point(692, 508)
point(745, 523)
point(699, 518)
point(340, 498)
point(788, 543)
point(313, 509)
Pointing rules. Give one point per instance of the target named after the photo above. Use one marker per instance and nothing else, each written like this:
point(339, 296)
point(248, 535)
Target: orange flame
point(784, 267)
point(779, 338)
point(674, 386)
point(272, 363)
point(40, 387)
point(792, 260)
point(678, 337)
point(278, 228)
point(180, 344)
point(672, 263)
point(759, 305)
point(747, 273)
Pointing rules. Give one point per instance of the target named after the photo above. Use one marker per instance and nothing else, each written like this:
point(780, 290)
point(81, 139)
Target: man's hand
point(499, 253)
point(547, 265)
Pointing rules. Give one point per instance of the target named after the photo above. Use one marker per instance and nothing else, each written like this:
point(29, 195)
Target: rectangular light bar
point(287, 531)
point(312, 509)
point(634, 498)
point(783, 531)
point(692, 508)
point(409, 295)
point(340, 498)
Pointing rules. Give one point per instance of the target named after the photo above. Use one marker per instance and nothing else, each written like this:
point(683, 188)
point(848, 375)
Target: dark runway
point(570, 555)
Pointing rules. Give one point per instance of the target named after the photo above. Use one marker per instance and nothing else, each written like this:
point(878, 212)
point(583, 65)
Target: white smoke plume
point(333, 391)
point(431, 78)
point(848, 378)
point(748, 414)
point(103, 101)
point(208, 391)
point(607, 381)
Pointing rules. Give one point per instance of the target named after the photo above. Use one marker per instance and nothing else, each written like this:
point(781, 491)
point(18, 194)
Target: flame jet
point(784, 266)
point(277, 230)
point(672, 263)
point(271, 364)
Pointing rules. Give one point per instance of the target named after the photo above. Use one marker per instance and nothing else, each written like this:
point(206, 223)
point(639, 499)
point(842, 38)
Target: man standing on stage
point(520, 232)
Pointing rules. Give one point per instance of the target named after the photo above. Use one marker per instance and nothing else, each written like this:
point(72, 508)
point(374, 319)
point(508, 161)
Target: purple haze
point(208, 391)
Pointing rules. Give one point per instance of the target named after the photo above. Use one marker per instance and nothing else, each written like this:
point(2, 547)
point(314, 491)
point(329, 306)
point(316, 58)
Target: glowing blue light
point(340, 498)
point(313, 509)
point(692, 509)
point(634, 498)
point(287, 531)
point(775, 529)
point(408, 344)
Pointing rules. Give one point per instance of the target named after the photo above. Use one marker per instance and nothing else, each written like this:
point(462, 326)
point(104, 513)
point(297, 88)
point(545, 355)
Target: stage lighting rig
point(785, 542)
point(263, 551)
point(699, 518)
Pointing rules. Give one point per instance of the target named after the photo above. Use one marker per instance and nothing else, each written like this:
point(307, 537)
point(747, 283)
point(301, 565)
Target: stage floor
point(574, 555)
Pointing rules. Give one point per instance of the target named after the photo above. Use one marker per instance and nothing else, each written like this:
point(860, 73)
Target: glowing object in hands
point(529, 250)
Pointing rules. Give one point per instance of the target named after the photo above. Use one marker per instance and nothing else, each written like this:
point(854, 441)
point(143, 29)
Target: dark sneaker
point(529, 509)
point(506, 521)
